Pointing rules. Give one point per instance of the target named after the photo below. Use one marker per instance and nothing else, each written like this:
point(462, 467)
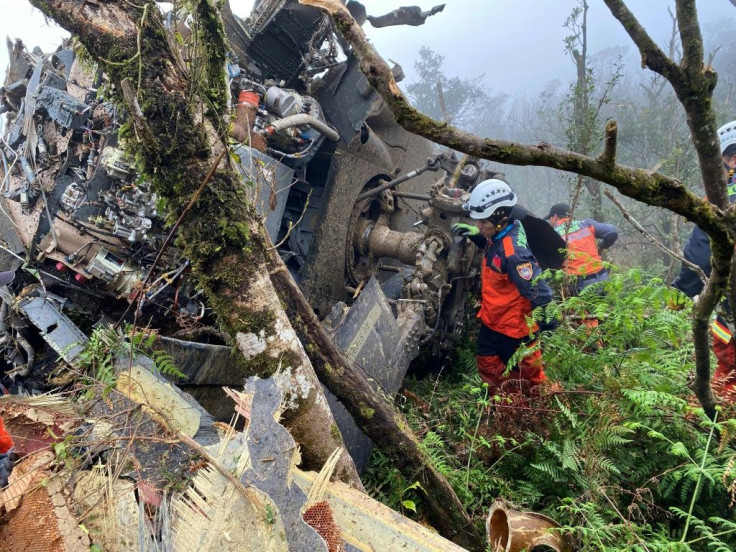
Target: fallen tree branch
point(375, 415)
point(646, 186)
point(654, 240)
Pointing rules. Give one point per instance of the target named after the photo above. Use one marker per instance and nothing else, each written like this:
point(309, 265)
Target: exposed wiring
point(292, 226)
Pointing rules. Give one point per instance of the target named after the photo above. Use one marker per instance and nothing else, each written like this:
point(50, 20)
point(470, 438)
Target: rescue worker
point(583, 261)
point(697, 251)
point(6, 454)
point(511, 288)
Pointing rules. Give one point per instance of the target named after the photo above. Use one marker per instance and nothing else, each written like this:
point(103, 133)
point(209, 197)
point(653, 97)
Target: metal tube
point(305, 119)
point(410, 195)
point(384, 242)
point(391, 183)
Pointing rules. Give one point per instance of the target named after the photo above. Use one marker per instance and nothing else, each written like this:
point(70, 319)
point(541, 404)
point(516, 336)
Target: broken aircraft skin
point(359, 209)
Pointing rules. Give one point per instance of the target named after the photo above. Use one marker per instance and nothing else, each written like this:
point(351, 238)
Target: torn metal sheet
point(273, 455)
point(159, 398)
point(55, 327)
point(269, 183)
point(369, 335)
point(368, 525)
point(112, 509)
point(202, 363)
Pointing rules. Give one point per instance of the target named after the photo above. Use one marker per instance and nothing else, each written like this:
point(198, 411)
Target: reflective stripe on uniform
point(720, 331)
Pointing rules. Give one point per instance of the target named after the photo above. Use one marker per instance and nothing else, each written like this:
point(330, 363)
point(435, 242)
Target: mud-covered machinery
point(359, 210)
point(77, 215)
point(434, 270)
point(346, 194)
point(79, 209)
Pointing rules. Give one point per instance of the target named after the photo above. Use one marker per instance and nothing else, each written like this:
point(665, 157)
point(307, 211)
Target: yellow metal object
point(513, 531)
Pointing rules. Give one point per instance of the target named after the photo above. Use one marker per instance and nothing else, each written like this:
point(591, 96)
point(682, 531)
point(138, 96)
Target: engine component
point(116, 163)
point(119, 273)
point(61, 107)
point(283, 102)
point(299, 127)
point(244, 125)
point(73, 197)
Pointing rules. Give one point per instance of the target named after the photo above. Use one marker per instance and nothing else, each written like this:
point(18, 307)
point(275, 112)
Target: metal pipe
point(391, 183)
point(410, 195)
point(3, 315)
point(6, 171)
point(512, 531)
point(381, 241)
point(434, 163)
point(30, 175)
point(30, 355)
point(304, 119)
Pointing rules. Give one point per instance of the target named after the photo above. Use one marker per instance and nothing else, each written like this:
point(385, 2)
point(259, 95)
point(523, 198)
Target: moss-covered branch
point(694, 90)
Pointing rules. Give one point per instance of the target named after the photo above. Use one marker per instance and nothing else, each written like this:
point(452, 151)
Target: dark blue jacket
point(697, 251)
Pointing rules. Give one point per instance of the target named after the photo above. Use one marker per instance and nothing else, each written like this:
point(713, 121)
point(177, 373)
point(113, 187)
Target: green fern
point(107, 344)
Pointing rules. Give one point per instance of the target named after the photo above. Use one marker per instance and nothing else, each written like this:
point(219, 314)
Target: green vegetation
point(614, 447)
point(107, 344)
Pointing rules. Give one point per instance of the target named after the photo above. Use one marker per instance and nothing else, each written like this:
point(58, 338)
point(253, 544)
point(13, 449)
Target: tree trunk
point(177, 133)
point(178, 140)
point(376, 416)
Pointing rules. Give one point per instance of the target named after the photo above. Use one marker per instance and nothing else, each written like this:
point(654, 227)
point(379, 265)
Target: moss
point(366, 412)
point(262, 365)
point(335, 432)
point(291, 358)
point(214, 47)
point(236, 318)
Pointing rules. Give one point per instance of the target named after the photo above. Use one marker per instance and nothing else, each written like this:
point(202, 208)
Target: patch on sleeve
point(525, 270)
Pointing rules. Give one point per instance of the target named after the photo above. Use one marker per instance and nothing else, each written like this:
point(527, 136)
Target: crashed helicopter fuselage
point(359, 209)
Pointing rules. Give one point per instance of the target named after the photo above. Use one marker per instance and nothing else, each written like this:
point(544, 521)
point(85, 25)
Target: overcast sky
point(517, 44)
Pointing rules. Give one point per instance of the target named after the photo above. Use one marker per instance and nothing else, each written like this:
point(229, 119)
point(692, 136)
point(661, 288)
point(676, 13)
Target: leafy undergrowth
point(614, 446)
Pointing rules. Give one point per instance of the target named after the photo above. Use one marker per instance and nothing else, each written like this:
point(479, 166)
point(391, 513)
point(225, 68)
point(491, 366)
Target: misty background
point(516, 46)
point(507, 69)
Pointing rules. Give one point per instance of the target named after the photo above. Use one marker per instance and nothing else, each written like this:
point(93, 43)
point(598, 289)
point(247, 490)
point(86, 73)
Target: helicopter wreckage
point(359, 209)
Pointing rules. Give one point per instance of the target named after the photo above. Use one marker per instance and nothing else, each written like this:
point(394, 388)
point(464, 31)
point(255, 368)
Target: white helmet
point(727, 135)
point(488, 197)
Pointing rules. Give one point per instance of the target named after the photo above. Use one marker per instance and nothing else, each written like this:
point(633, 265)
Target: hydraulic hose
point(304, 119)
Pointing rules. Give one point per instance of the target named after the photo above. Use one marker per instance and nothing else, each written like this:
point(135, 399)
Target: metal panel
point(56, 329)
point(271, 181)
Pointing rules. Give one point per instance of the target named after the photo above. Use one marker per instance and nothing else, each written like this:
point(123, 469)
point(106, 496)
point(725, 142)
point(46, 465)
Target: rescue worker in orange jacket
point(6, 454)
point(697, 251)
point(511, 288)
point(6, 441)
point(583, 259)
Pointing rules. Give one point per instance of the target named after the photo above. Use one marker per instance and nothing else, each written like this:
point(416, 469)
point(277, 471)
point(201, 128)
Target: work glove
point(548, 326)
point(465, 230)
point(549, 320)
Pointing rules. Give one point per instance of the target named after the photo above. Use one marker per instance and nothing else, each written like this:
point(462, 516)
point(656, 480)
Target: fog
point(516, 44)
